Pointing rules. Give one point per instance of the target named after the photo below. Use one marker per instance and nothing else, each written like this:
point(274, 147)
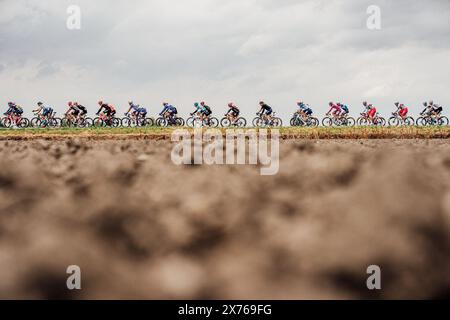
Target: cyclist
point(45, 110)
point(304, 109)
point(370, 110)
point(73, 111)
point(206, 110)
point(265, 110)
point(402, 110)
point(335, 109)
point(344, 109)
point(437, 109)
point(138, 111)
point(14, 109)
point(108, 109)
point(233, 112)
point(198, 109)
point(170, 110)
point(83, 110)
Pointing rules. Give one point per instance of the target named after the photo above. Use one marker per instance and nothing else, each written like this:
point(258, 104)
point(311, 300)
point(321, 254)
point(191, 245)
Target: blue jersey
point(168, 108)
point(135, 107)
point(345, 108)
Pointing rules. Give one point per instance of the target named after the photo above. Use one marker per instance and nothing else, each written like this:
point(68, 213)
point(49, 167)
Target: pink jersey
point(335, 107)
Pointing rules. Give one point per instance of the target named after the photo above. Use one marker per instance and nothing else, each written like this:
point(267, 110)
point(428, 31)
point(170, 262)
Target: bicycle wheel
point(256, 121)
point(350, 122)
point(277, 122)
point(380, 122)
point(240, 122)
point(225, 122)
point(126, 122)
point(179, 122)
point(327, 122)
point(161, 122)
point(190, 122)
point(260, 123)
point(443, 121)
point(98, 123)
point(23, 123)
point(393, 121)
point(409, 121)
point(212, 122)
point(7, 123)
point(116, 122)
point(293, 122)
point(35, 122)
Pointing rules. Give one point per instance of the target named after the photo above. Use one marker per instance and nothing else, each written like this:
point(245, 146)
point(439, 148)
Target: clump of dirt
point(140, 227)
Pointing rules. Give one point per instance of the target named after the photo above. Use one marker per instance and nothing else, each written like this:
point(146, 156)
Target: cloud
point(219, 51)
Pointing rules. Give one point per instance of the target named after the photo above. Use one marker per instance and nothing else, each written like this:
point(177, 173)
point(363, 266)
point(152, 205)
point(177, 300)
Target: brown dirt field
point(140, 227)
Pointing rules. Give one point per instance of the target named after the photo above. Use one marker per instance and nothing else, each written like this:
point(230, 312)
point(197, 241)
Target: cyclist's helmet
point(230, 104)
point(299, 103)
point(196, 104)
point(397, 103)
point(365, 103)
point(39, 103)
point(261, 102)
point(330, 104)
point(70, 104)
point(130, 102)
point(100, 102)
point(11, 104)
point(431, 102)
point(425, 104)
point(202, 103)
point(165, 104)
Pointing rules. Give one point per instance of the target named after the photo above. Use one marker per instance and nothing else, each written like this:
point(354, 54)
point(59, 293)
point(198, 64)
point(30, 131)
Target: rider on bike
point(170, 110)
point(344, 109)
point(335, 109)
point(73, 111)
point(206, 110)
point(370, 110)
point(402, 110)
point(432, 109)
point(14, 109)
point(45, 110)
point(138, 111)
point(265, 111)
point(108, 110)
point(233, 112)
point(83, 110)
point(304, 109)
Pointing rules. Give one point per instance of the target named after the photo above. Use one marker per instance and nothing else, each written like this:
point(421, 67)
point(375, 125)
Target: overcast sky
point(279, 51)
